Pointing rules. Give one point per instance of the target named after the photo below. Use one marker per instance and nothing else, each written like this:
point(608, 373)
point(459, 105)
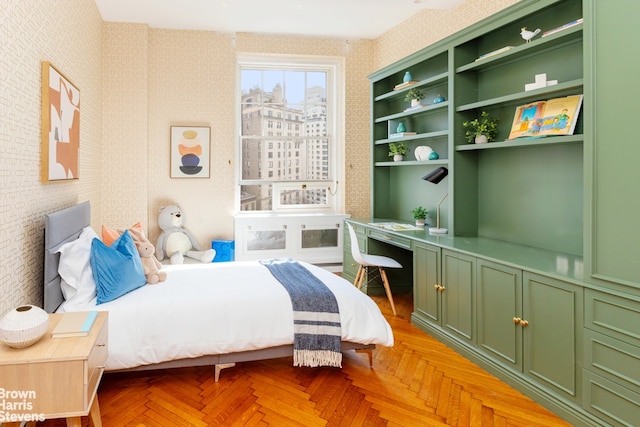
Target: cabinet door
point(458, 302)
point(553, 312)
point(426, 282)
point(499, 293)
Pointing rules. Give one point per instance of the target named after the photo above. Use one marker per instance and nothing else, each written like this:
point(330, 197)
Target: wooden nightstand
point(54, 378)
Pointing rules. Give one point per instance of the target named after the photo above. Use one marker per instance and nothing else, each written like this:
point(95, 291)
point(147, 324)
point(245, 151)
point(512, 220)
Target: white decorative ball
point(23, 326)
point(422, 152)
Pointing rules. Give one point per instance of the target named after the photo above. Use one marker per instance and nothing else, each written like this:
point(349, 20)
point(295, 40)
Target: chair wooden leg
point(385, 282)
point(356, 282)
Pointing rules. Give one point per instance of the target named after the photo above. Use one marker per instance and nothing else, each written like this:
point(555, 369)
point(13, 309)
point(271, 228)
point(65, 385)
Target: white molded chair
point(367, 260)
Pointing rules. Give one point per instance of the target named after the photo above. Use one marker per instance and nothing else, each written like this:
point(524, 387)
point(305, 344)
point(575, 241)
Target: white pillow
point(78, 284)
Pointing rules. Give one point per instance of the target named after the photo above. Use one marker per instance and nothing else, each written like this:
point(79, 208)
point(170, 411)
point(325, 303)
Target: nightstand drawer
point(98, 354)
point(95, 365)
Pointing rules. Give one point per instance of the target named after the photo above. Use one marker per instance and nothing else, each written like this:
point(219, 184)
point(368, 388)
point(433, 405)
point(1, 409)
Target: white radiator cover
point(314, 238)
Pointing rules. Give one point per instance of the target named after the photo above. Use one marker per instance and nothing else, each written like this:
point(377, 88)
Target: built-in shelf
point(526, 96)
point(522, 142)
point(433, 81)
point(415, 111)
point(540, 45)
point(414, 163)
point(426, 135)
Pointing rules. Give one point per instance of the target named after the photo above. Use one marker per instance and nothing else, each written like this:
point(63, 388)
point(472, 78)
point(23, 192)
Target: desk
point(515, 310)
point(558, 265)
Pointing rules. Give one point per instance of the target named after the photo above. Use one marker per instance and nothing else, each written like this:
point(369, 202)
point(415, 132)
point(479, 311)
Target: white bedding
point(220, 308)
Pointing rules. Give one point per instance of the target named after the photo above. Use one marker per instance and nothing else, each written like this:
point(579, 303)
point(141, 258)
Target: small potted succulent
point(420, 215)
point(397, 150)
point(414, 95)
point(483, 129)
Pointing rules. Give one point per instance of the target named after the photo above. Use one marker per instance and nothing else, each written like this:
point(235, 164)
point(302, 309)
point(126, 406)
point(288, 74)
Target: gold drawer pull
point(524, 323)
point(517, 320)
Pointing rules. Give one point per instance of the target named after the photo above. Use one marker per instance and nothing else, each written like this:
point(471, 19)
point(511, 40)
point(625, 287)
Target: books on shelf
point(554, 117)
point(74, 324)
point(563, 27)
point(405, 84)
point(401, 134)
point(494, 52)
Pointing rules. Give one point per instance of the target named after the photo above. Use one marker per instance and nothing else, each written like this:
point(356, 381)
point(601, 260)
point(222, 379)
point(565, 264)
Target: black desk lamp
point(435, 177)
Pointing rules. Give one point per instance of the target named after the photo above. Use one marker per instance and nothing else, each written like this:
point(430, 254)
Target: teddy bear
point(150, 265)
point(175, 242)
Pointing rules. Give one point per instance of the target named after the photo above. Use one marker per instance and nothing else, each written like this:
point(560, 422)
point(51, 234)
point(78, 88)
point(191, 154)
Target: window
point(289, 109)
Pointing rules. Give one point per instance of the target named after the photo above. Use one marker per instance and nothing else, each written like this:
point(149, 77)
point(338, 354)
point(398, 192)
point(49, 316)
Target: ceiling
point(350, 19)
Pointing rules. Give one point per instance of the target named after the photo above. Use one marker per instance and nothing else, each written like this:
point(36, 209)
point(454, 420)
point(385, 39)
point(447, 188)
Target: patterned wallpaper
point(135, 83)
point(429, 26)
point(67, 33)
point(190, 79)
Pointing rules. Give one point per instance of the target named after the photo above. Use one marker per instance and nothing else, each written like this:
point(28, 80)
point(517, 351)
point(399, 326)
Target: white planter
point(415, 103)
point(419, 222)
point(398, 157)
point(481, 139)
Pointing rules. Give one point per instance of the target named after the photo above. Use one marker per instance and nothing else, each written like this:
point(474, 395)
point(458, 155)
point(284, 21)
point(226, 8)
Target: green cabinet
point(458, 294)
point(532, 324)
point(552, 322)
point(538, 278)
point(444, 291)
point(499, 294)
point(427, 288)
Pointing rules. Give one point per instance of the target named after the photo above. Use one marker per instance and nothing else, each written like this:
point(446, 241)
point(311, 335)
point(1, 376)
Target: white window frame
point(335, 130)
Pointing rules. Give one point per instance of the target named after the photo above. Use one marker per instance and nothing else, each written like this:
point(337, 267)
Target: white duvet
point(219, 308)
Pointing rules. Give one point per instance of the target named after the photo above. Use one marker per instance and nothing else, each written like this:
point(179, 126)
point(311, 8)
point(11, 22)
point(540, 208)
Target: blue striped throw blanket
point(316, 319)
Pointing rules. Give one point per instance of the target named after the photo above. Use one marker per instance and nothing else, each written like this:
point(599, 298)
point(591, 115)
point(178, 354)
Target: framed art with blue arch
point(190, 151)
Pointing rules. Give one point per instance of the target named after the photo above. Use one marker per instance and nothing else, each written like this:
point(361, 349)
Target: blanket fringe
point(316, 358)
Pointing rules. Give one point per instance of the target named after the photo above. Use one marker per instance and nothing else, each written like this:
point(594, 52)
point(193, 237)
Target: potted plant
point(419, 214)
point(414, 95)
point(397, 150)
point(484, 129)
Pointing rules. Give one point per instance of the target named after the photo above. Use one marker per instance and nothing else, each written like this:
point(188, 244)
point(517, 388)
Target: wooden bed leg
point(220, 367)
point(370, 353)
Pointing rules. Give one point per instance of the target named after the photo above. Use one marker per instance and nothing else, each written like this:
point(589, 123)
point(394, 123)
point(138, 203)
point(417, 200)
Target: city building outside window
point(290, 109)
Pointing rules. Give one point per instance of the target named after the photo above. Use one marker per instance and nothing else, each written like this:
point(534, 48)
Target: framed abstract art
point(60, 126)
point(190, 151)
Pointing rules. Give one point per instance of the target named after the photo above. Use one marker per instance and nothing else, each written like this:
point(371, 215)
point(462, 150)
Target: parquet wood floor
point(418, 382)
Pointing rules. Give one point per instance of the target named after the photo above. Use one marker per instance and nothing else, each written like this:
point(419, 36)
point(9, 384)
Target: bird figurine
point(528, 35)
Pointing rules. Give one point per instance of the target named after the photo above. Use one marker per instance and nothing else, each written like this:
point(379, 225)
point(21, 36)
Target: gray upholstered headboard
point(60, 227)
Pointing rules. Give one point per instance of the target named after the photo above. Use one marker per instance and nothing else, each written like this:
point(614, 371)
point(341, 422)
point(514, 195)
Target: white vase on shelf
point(481, 139)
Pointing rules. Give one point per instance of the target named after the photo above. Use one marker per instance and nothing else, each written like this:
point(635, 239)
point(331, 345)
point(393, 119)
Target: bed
point(214, 314)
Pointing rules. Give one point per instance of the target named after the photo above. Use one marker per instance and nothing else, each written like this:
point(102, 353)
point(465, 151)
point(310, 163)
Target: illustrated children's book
point(554, 117)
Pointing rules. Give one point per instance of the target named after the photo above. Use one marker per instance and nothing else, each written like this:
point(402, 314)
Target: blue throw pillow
point(117, 269)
